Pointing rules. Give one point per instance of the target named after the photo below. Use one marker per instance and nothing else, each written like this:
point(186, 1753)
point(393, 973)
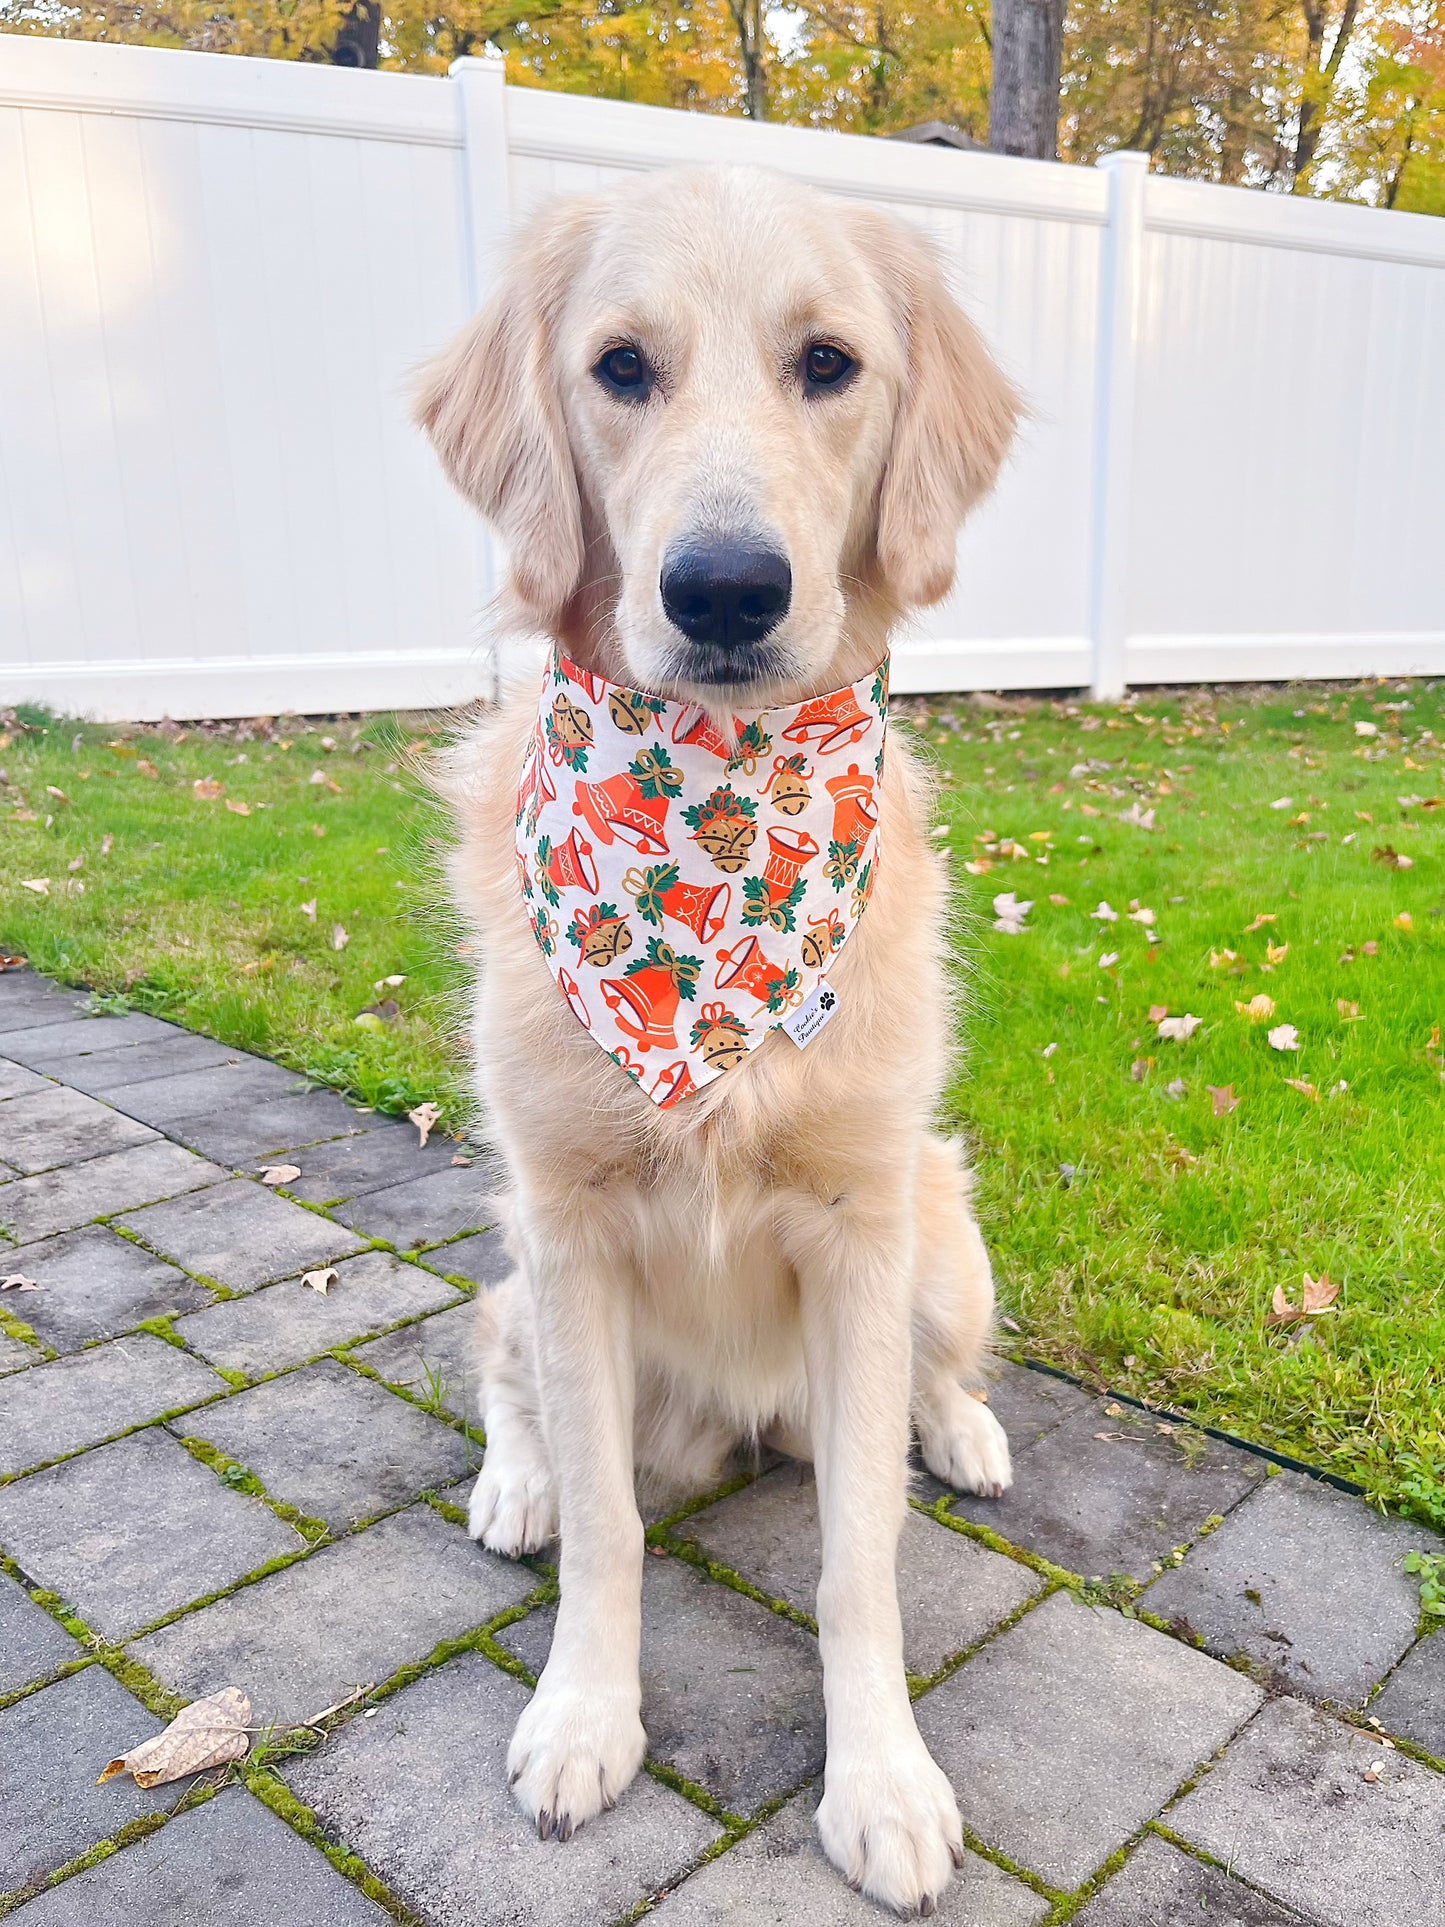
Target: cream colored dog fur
point(788, 1255)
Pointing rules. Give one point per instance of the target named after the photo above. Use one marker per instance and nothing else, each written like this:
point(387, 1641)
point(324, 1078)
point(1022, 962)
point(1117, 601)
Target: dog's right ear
point(490, 404)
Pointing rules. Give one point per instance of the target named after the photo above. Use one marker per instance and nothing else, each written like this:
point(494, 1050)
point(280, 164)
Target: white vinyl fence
point(216, 275)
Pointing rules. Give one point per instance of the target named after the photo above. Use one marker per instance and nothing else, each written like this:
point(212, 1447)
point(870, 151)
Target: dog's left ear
point(490, 404)
point(955, 422)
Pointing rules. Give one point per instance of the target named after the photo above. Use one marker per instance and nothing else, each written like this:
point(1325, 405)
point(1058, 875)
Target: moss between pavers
point(16, 1328)
point(133, 1830)
point(240, 1478)
point(301, 1819)
point(126, 1431)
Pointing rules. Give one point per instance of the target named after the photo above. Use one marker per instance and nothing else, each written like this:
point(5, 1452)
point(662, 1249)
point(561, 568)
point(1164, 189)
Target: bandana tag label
point(803, 1024)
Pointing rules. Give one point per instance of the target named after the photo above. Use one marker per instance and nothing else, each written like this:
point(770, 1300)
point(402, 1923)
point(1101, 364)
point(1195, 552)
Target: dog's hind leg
point(962, 1442)
point(513, 1505)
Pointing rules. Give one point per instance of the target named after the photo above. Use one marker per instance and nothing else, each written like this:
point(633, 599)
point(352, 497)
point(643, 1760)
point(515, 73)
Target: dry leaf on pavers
point(1179, 1029)
point(207, 788)
point(13, 963)
point(17, 1281)
point(280, 1173)
point(1225, 1100)
point(209, 1732)
point(424, 1117)
point(1257, 1009)
point(1284, 1037)
point(1318, 1296)
point(321, 1280)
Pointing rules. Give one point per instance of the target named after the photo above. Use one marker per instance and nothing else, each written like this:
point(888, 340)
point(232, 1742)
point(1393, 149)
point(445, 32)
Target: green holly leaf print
point(724, 805)
point(842, 864)
point(657, 880)
point(684, 971)
point(655, 773)
point(779, 988)
point(544, 881)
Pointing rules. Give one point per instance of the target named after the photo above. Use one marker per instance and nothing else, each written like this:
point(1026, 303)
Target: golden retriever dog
point(776, 387)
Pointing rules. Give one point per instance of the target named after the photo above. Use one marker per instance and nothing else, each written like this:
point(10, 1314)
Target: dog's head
point(727, 427)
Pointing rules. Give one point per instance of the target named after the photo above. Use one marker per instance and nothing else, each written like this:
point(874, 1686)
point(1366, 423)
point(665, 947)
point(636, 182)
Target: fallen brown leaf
point(1157, 1011)
point(1392, 858)
point(16, 962)
point(280, 1173)
point(309, 909)
point(207, 788)
point(320, 1280)
point(1257, 1009)
point(40, 885)
point(147, 768)
point(425, 1117)
point(1264, 917)
point(237, 809)
point(1225, 1100)
point(1349, 1011)
point(1318, 1295)
point(17, 1281)
point(340, 936)
point(207, 1733)
point(1304, 1087)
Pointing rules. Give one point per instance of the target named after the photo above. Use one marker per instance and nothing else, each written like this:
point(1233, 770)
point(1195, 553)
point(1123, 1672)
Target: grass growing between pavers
point(1288, 843)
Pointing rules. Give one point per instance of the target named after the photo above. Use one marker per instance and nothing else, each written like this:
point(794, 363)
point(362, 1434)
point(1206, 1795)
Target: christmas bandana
point(689, 890)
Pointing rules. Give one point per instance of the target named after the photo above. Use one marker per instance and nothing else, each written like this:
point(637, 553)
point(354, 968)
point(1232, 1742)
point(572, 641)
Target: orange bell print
point(831, 722)
point(644, 1000)
point(672, 1085)
point(855, 813)
point(746, 967)
point(696, 728)
point(569, 866)
point(633, 804)
point(659, 892)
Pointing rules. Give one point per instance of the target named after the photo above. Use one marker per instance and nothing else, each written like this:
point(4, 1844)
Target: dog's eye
point(625, 371)
point(825, 365)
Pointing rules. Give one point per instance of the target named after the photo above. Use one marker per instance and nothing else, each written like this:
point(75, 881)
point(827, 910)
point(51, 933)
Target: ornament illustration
point(656, 840)
point(824, 936)
point(536, 787)
point(633, 804)
point(544, 929)
point(645, 998)
point(725, 826)
point(634, 713)
point(600, 934)
point(829, 722)
point(753, 744)
point(659, 892)
point(776, 987)
point(696, 729)
point(720, 1036)
point(855, 813)
point(569, 734)
point(773, 897)
point(788, 784)
point(567, 867)
point(672, 1085)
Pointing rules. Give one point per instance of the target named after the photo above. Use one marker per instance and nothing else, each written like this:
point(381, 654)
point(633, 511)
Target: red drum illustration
point(855, 814)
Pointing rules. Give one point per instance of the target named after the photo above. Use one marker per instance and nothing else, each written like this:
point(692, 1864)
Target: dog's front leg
point(580, 1739)
point(888, 1818)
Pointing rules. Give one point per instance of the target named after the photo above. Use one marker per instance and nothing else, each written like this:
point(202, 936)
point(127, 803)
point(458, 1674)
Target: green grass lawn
point(1285, 842)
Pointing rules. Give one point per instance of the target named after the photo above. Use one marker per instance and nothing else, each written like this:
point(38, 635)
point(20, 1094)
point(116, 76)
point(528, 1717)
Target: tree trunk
point(1024, 102)
point(748, 19)
point(358, 39)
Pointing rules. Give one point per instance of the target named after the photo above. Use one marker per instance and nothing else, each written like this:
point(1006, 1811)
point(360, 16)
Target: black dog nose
point(725, 592)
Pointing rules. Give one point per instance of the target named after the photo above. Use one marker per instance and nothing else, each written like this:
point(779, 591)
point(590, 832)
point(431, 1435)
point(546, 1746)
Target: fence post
point(487, 207)
point(1127, 176)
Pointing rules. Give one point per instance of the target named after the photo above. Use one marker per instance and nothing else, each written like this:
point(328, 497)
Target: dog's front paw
point(574, 1750)
point(964, 1445)
point(513, 1508)
point(889, 1823)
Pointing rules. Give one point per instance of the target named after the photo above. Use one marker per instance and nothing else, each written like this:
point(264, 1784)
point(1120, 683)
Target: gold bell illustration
point(788, 784)
point(825, 935)
point(855, 813)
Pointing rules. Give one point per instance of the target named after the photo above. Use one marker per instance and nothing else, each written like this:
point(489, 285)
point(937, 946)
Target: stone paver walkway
point(1170, 1682)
